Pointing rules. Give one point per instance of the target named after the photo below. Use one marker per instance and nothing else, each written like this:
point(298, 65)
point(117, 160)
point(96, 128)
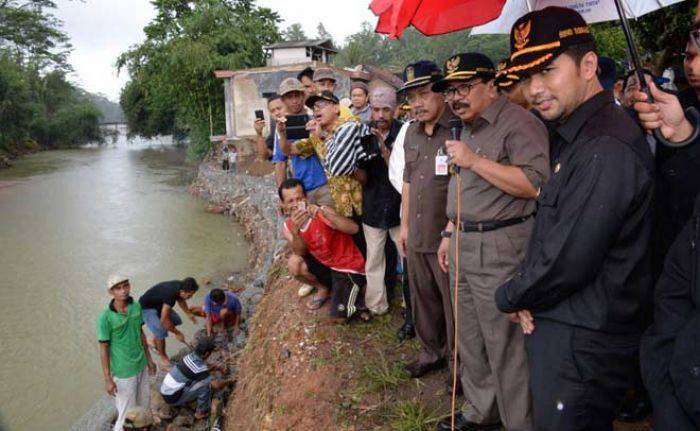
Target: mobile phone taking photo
point(259, 114)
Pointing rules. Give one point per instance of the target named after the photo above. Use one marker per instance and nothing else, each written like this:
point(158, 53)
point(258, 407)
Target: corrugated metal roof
point(324, 43)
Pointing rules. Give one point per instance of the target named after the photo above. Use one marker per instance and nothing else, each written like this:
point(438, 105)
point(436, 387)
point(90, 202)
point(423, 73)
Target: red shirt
point(332, 248)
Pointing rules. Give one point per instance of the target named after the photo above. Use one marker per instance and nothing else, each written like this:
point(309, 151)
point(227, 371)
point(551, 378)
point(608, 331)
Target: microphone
point(455, 130)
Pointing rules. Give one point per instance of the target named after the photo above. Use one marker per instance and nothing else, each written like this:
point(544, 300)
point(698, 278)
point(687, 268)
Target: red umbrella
point(433, 17)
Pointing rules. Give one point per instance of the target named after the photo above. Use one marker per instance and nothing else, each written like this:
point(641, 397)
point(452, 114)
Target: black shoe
point(462, 424)
point(406, 332)
point(634, 408)
point(418, 369)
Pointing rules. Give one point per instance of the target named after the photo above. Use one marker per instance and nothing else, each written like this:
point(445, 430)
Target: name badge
point(441, 165)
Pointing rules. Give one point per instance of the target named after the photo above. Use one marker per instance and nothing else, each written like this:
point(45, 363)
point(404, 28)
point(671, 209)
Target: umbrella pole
point(631, 47)
point(691, 113)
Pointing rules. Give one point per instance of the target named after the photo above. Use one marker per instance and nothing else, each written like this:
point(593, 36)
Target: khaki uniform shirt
point(428, 192)
point(509, 135)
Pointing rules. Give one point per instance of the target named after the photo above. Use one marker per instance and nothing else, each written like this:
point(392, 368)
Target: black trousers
point(578, 377)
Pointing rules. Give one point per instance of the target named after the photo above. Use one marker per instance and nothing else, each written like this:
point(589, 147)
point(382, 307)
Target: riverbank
point(10, 154)
point(296, 372)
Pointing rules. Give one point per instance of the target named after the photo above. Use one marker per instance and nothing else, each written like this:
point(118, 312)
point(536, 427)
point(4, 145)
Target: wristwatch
point(446, 234)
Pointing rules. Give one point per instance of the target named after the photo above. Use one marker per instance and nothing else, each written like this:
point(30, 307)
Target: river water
point(67, 220)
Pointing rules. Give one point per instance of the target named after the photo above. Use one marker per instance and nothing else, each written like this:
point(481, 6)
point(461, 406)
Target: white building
point(303, 51)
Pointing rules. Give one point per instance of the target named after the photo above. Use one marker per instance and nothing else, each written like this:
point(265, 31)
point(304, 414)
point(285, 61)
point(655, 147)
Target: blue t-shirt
point(309, 170)
point(232, 303)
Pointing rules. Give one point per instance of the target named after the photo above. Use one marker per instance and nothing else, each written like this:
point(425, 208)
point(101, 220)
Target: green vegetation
point(368, 47)
point(382, 374)
point(412, 415)
point(172, 86)
point(39, 107)
point(661, 35)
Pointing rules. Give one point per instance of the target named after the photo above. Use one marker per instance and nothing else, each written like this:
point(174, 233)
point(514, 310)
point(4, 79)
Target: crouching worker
point(327, 236)
point(190, 380)
point(220, 307)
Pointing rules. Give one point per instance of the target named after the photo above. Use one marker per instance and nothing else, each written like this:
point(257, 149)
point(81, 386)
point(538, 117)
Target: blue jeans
point(152, 319)
point(199, 391)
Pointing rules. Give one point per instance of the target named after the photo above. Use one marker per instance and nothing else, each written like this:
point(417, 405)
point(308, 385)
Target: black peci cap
point(466, 66)
point(539, 37)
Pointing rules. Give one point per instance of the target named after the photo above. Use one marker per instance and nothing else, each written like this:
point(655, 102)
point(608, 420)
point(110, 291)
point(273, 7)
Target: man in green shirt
point(123, 350)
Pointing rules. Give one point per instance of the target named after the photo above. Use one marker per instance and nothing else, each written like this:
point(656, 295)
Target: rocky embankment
point(251, 200)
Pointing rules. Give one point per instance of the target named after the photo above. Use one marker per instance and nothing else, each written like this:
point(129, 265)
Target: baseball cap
point(465, 66)
point(137, 417)
point(419, 74)
point(323, 73)
point(289, 85)
point(115, 279)
point(538, 37)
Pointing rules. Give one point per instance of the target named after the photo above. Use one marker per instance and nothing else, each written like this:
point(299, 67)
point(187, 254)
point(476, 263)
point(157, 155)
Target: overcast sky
point(100, 30)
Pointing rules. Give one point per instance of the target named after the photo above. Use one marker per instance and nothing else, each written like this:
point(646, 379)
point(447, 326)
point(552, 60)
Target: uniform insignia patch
point(522, 35)
point(452, 64)
point(410, 74)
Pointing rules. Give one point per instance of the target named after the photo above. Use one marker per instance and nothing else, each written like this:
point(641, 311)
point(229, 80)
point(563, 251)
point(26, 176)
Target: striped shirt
point(190, 369)
point(345, 148)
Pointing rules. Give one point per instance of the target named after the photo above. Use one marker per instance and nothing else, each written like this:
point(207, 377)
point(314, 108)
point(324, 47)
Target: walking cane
point(456, 131)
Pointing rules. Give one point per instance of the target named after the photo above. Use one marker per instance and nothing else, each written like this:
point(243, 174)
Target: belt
point(486, 226)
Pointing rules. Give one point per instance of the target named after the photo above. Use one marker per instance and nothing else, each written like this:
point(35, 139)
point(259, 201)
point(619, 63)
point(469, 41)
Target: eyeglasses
point(463, 90)
point(320, 105)
point(412, 98)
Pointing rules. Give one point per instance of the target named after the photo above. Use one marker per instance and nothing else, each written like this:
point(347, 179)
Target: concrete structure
point(247, 90)
point(302, 51)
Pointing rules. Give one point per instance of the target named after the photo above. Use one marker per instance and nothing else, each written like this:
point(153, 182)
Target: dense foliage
point(368, 47)
point(661, 35)
point(37, 102)
point(172, 86)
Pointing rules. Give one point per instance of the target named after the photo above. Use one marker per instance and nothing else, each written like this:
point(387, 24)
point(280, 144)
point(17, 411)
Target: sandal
point(316, 302)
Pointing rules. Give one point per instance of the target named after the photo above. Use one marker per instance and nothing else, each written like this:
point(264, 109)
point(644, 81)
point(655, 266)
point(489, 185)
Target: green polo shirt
point(123, 333)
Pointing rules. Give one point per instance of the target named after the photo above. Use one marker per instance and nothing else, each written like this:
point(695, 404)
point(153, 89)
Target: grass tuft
point(412, 415)
point(382, 375)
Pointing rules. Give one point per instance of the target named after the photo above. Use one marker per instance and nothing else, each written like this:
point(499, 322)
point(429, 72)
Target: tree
point(368, 47)
point(172, 83)
point(294, 33)
point(37, 102)
point(29, 32)
point(663, 34)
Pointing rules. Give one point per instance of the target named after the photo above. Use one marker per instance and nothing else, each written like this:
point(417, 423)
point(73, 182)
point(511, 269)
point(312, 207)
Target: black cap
point(539, 37)
point(419, 74)
point(505, 80)
point(466, 66)
point(324, 95)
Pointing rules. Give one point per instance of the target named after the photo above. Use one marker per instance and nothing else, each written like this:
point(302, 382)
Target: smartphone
point(296, 126)
point(259, 114)
point(301, 205)
point(372, 124)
